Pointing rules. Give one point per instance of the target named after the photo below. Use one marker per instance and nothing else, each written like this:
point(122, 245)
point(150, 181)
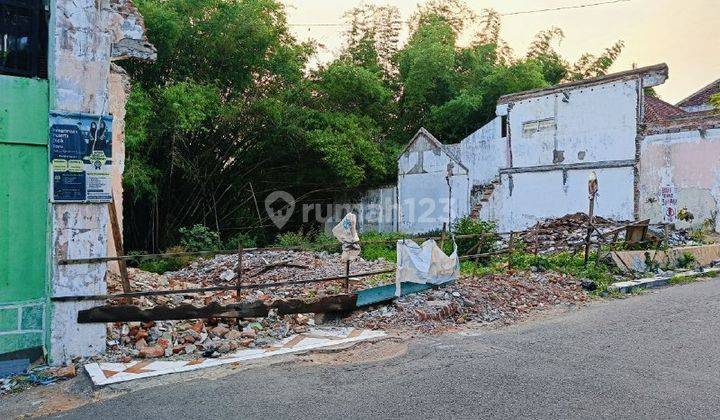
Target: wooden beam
point(117, 238)
point(129, 313)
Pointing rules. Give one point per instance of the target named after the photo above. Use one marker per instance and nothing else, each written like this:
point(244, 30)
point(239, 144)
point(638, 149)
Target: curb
point(654, 282)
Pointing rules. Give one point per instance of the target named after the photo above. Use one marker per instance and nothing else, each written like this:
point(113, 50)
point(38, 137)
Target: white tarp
point(346, 233)
point(425, 264)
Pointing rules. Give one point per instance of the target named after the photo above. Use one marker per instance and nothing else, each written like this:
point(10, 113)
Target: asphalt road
point(649, 356)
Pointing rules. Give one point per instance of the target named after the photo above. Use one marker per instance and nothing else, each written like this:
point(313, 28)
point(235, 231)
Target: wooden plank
point(129, 313)
point(117, 239)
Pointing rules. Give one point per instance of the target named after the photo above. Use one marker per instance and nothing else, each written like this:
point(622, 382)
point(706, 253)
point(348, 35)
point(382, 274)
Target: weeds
point(686, 260)
point(680, 279)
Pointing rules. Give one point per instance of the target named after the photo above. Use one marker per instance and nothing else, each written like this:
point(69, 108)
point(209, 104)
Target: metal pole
point(239, 271)
point(347, 276)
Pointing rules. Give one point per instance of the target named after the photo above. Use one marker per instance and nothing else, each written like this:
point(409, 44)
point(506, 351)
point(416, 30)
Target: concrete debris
point(182, 339)
point(258, 268)
point(499, 298)
point(565, 233)
point(36, 375)
point(188, 339)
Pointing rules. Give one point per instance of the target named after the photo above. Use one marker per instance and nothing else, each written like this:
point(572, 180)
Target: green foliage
point(162, 265)
point(246, 240)
point(326, 242)
point(230, 111)
point(715, 100)
point(294, 239)
point(686, 260)
point(568, 263)
point(699, 235)
point(374, 251)
point(469, 226)
point(200, 238)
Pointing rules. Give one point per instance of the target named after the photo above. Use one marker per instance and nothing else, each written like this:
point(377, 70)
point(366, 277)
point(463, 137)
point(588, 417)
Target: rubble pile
point(564, 234)
point(193, 338)
point(213, 338)
point(503, 298)
point(261, 267)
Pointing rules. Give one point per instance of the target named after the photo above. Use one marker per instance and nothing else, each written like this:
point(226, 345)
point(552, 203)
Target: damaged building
point(60, 89)
point(652, 159)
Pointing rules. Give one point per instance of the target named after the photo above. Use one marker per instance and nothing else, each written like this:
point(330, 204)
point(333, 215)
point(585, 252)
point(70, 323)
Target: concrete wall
point(484, 152)
point(527, 197)
point(425, 199)
point(685, 166)
point(376, 211)
point(85, 37)
point(556, 141)
point(597, 123)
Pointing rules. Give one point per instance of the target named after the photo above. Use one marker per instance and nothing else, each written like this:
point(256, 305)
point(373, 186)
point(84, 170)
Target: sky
point(685, 34)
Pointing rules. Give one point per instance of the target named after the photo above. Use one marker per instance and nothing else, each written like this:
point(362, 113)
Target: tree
point(231, 111)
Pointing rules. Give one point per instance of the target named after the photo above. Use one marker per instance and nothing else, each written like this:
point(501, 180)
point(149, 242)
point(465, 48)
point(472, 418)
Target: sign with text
point(668, 203)
point(80, 157)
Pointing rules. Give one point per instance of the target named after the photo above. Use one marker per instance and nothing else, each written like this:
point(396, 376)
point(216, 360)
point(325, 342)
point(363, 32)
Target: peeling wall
point(376, 211)
point(689, 163)
point(88, 35)
point(556, 141)
point(597, 123)
point(484, 152)
point(425, 200)
point(529, 197)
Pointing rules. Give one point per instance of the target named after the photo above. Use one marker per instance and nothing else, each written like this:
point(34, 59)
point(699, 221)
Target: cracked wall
point(684, 164)
point(427, 197)
point(88, 35)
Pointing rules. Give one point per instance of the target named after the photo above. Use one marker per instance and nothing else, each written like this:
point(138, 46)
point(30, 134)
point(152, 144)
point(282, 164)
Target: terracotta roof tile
point(702, 96)
point(657, 110)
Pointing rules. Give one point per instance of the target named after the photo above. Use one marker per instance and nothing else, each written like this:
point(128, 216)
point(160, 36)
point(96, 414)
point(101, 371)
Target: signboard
point(80, 158)
point(668, 203)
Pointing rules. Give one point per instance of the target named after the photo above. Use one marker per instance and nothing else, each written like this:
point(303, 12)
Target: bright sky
point(685, 34)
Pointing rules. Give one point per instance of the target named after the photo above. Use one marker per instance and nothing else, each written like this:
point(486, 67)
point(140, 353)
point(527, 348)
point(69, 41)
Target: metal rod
point(213, 288)
point(239, 271)
point(486, 254)
point(347, 276)
point(98, 260)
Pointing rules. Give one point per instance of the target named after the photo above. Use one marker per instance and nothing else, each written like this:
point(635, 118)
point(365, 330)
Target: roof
point(642, 71)
point(451, 150)
point(658, 110)
point(702, 96)
point(690, 121)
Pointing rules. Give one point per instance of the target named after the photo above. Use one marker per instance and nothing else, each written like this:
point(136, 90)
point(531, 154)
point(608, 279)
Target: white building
point(533, 160)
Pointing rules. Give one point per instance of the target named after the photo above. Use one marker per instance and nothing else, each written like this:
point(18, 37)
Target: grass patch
point(679, 279)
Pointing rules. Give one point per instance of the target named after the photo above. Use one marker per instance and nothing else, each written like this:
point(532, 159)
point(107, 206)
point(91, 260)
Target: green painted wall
point(23, 212)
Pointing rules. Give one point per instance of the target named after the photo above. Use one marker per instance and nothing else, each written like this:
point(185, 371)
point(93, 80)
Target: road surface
point(656, 355)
